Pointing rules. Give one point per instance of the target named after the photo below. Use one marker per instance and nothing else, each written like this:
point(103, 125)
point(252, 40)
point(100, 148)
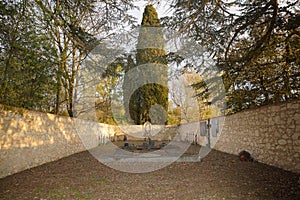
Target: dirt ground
point(217, 176)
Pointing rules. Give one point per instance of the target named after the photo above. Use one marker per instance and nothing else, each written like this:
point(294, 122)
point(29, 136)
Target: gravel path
point(217, 176)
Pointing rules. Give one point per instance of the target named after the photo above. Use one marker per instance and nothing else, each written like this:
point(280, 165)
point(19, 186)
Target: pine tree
point(150, 101)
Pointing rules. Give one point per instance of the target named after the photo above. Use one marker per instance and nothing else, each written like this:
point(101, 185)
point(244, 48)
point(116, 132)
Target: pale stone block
point(9, 132)
point(282, 142)
point(260, 141)
point(285, 136)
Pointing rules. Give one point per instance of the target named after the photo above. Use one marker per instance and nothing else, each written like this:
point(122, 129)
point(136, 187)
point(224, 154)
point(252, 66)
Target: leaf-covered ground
point(217, 176)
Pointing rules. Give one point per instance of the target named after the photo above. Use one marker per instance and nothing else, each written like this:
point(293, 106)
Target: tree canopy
point(27, 59)
point(255, 45)
point(43, 44)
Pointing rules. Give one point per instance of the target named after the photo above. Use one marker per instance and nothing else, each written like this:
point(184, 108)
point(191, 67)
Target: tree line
point(254, 43)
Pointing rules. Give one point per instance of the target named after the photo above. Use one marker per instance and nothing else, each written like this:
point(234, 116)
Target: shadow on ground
point(217, 176)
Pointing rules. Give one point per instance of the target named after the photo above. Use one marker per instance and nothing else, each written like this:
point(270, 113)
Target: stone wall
point(270, 133)
point(29, 139)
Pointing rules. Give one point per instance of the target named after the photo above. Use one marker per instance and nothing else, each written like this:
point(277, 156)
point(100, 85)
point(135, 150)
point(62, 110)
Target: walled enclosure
point(270, 133)
point(28, 139)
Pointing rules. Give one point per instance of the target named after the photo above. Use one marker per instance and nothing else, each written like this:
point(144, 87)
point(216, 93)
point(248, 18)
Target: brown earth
point(217, 176)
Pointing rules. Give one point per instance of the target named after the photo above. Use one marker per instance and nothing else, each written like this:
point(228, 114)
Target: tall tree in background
point(72, 27)
point(27, 58)
point(150, 101)
point(255, 44)
point(64, 22)
point(43, 44)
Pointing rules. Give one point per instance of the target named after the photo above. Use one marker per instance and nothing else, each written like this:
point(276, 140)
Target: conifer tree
point(150, 101)
point(255, 45)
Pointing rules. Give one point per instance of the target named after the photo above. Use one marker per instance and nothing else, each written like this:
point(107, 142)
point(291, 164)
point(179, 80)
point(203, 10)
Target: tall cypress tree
point(150, 101)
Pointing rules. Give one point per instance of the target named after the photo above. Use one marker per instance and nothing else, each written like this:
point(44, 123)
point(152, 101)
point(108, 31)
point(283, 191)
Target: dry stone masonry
point(270, 133)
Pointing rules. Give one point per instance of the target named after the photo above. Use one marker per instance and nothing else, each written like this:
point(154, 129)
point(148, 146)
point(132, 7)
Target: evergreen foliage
point(143, 103)
point(255, 45)
point(26, 65)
